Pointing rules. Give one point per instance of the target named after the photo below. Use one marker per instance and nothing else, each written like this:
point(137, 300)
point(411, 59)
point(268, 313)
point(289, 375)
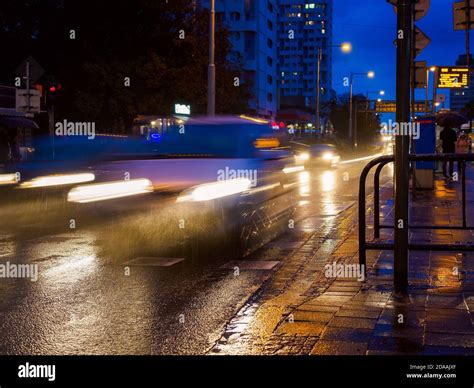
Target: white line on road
point(360, 159)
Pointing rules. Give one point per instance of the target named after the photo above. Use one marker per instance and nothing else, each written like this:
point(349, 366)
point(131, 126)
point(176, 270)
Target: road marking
point(360, 159)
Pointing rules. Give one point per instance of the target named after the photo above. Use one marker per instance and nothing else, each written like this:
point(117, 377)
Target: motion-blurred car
point(219, 176)
point(317, 155)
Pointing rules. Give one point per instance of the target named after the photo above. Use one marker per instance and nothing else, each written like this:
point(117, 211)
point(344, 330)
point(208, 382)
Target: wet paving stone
point(343, 334)
point(362, 313)
point(451, 340)
point(351, 322)
point(301, 328)
point(404, 345)
point(318, 307)
point(338, 348)
point(430, 350)
point(448, 324)
point(446, 302)
point(398, 331)
point(311, 316)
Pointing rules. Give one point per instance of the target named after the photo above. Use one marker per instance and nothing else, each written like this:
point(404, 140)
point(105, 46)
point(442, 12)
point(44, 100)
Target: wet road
point(95, 296)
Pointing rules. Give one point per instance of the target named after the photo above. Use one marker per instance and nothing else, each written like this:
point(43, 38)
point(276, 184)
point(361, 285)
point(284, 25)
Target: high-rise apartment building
point(253, 27)
point(303, 27)
point(278, 41)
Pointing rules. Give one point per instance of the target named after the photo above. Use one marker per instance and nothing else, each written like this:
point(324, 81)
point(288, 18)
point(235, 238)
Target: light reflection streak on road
point(305, 183)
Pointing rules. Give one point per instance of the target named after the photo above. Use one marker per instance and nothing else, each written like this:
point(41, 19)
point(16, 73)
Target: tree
point(367, 124)
point(117, 60)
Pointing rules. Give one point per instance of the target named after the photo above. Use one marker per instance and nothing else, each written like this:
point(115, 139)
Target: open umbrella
point(451, 119)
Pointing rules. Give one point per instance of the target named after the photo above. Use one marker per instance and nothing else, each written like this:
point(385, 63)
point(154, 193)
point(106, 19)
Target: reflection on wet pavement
point(88, 301)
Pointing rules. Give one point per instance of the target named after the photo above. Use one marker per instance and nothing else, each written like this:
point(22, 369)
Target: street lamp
point(211, 73)
point(428, 70)
point(369, 74)
point(346, 48)
point(380, 93)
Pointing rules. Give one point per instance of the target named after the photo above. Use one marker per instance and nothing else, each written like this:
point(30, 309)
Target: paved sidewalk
point(302, 311)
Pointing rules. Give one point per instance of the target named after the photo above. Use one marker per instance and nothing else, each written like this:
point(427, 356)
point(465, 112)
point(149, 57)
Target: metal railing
point(381, 162)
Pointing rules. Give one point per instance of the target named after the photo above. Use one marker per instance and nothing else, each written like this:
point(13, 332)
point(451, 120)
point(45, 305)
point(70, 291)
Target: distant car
point(317, 155)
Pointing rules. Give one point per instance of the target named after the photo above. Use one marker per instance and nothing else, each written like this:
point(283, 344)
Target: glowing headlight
point(303, 157)
point(112, 190)
point(215, 190)
point(8, 179)
point(58, 180)
point(328, 156)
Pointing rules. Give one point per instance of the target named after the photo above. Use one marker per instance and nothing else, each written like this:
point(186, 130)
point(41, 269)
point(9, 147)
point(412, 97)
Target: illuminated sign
point(391, 107)
point(267, 143)
point(181, 109)
point(453, 77)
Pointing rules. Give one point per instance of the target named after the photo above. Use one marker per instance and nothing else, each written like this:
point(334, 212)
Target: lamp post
point(432, 69)
point(211, 73)
point(345, 48)
point(380, 93)
point(353, 136)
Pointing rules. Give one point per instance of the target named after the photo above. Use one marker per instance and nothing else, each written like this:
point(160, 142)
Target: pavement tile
point(343, 334)
point(398, 331)
point(372, 352)
point(331, 300)
point(447, 324)
point(447, 312)
point(312, 316)
point(337, 348)
point(318, 307)
point(301, 328)
point(396, 344)
point(451, 340)
point(446, 302)
point(351, 322)
point(430, 350)
point(404, 317)
point(363, 313)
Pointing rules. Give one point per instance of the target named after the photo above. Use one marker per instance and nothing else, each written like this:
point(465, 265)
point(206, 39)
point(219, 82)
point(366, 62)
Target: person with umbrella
point(448, 139)
point(448, 136)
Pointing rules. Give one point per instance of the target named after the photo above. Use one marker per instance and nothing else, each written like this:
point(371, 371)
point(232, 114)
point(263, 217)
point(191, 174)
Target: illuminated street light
point(346, 48)
point(428, 70)
point(353, 137)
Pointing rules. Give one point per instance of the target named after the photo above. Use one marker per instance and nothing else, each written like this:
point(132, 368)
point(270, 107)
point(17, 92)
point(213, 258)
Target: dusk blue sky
point(370, 25)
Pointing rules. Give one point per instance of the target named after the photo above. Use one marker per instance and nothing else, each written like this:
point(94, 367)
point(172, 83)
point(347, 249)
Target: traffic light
point(54, 87)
